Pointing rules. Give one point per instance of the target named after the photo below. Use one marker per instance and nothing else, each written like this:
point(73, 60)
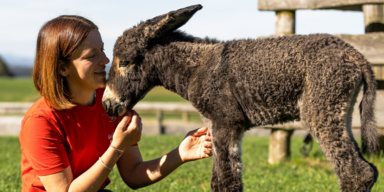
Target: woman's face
point(86, 69)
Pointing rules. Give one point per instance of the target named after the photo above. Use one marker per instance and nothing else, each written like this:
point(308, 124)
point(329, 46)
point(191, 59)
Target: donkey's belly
point(260, 115)
point(270, 108)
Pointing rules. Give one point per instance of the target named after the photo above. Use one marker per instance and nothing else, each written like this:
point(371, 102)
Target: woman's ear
point(63, 70)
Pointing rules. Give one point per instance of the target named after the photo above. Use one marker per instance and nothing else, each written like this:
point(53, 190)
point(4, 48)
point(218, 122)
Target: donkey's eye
point(125, 63)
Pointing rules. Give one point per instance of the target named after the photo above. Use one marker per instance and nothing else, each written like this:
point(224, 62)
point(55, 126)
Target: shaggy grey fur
point(242, 83)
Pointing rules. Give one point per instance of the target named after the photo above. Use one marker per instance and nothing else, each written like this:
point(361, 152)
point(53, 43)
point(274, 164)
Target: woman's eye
point(90, 56)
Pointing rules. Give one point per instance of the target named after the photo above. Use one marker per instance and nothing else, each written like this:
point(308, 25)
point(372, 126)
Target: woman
point(68, 142)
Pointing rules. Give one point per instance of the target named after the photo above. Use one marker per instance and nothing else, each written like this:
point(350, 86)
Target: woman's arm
point(136, 173)
point(94, 177)
point(91, 180)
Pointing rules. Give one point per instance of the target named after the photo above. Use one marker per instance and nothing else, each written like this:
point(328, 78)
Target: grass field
point(23, 90)
point(300, 174)
point(17, 90)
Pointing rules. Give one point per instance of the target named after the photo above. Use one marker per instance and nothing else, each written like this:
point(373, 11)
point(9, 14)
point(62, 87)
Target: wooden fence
point(279, 147)
point(159, 108)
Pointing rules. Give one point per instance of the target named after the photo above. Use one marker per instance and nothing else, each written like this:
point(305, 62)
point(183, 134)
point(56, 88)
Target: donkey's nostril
point(106, 105)
point(121, 110)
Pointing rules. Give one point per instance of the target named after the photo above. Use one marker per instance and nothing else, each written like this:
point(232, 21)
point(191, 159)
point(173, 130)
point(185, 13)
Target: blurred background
point(357, 22)
point(167, 117)
point(20, 21)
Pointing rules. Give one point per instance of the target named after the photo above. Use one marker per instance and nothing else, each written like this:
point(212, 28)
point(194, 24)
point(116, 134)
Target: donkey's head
point(131, 77)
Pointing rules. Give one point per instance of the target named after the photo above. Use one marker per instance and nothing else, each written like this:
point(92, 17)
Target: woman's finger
point(208, 145)
point(125, 121)
point(133, 121)
point(135, 113)
point(208, 136)
point(207, 152)
point(199, 132)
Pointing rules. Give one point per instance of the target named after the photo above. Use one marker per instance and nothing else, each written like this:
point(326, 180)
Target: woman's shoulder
point(39, 118)
point(41, 109)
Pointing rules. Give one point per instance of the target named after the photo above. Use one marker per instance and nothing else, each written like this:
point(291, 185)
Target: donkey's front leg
point(227, 166)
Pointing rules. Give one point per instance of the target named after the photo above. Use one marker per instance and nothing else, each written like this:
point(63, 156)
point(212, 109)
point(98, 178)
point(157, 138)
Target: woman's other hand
point(196, 145)
point(128, 132)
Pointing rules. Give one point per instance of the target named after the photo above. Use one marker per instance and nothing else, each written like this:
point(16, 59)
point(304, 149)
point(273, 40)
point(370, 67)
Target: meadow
point(23, 90)
point(299, 173)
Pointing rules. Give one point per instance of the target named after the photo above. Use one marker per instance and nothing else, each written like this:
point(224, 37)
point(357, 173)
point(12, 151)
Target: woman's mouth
point(101, 73)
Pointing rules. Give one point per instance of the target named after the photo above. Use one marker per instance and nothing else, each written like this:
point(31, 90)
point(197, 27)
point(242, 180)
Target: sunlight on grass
point(18, 90)
point(299, 174)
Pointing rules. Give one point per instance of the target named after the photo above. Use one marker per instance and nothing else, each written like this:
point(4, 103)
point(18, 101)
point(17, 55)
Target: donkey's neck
point(177, 64)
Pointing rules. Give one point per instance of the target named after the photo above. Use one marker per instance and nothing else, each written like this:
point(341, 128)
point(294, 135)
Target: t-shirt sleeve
point(43, 146)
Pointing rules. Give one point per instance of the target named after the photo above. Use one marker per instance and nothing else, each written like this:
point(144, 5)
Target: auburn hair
point(56, 42)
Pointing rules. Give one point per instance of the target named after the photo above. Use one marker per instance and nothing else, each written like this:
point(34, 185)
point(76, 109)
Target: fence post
point(279, 145)
point(159, 119)
point(185, 116)
point(373, 17)
point(285, 23)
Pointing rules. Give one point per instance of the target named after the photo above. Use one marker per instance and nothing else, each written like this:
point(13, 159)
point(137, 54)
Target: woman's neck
point(84, 97)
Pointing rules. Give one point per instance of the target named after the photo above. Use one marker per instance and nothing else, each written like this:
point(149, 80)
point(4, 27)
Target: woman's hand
point(196, 145)
point(128, 132)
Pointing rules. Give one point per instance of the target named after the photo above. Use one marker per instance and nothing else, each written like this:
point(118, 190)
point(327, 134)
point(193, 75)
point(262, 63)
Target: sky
point(21, 20)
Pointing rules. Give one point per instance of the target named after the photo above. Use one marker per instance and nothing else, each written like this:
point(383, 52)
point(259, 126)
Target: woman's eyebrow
point(90, 50)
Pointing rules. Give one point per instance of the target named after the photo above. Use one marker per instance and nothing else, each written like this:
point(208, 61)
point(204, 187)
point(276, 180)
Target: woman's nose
point(104, 59)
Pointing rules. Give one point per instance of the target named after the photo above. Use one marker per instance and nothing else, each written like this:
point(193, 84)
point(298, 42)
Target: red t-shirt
point(51, 140)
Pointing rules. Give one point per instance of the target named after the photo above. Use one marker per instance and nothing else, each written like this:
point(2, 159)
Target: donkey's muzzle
point(110, 109)
point(114, 109)
point(106, 105)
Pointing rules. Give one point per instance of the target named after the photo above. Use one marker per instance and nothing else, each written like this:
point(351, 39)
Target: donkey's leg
point(351, 104)
point(214, 179)
point(215, 182)
point(227, 164)
point(328, 124)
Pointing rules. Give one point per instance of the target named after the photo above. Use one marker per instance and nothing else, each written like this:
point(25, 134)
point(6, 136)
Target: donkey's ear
point(170, 21)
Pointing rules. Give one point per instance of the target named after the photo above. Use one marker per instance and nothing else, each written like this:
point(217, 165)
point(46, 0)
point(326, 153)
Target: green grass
point(18, 90)
point(299, 174)
point(10, 176)
point(160, 94)
point(23, 90)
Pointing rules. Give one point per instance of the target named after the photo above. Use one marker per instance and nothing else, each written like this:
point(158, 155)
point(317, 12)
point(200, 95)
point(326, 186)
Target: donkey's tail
point(370, 140)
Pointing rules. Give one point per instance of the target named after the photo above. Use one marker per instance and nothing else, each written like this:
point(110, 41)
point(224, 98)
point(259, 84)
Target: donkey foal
point(243, 83)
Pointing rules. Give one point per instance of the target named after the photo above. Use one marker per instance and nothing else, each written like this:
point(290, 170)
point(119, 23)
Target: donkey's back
point(268, 76)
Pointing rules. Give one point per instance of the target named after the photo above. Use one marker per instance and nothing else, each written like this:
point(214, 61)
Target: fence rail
point(21, 108)
point(186, 108)
point(159, 108)
point(280, 134)
point(14, 108)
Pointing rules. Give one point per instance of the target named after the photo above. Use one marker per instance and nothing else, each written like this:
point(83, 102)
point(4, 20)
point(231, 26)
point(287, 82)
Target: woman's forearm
point(94, 177)
point(136, 173)
point(149, 172)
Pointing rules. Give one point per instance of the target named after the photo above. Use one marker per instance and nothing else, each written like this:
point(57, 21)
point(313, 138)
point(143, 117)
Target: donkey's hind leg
point(329, 125)
point(227, 166)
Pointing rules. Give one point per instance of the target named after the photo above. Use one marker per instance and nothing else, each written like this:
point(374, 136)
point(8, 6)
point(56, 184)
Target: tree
point(4, 72)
